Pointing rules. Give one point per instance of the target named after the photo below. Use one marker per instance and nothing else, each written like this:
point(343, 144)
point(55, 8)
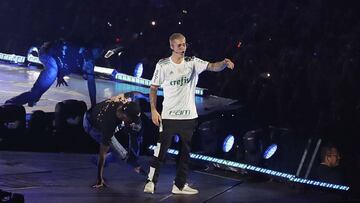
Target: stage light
point(11, 197)
point(228, 143)
point(253, 147)
point(105, 71)
point(69, 113)
point(33, 55)
point(153, 23)
point(138, 71)
point(176, 138)
point(270, 151)
point(12, 124)
point(265, 75)
point(68, 124)
point(209, 142)
point(12, 58)
point(12, 116)
point(40, 123)
point(251, 141)
point(238, 45)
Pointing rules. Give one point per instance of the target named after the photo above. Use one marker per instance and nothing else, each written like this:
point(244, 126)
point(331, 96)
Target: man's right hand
point(61, 81)
point(156, 118)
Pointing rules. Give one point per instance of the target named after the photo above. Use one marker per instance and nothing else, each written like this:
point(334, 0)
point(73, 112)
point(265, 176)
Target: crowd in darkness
point(297, 62)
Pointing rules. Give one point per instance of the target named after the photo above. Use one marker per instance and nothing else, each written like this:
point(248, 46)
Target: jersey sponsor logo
point(179, 113)
point(182, 81)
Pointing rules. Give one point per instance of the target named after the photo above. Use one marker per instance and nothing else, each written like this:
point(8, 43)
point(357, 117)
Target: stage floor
point(15, 80)
point(62, 177)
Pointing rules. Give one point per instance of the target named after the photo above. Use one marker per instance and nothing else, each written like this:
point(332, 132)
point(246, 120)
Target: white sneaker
point(187, 190)
point(149, 187)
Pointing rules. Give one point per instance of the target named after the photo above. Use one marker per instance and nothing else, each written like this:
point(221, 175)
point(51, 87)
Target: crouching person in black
point(119, 114)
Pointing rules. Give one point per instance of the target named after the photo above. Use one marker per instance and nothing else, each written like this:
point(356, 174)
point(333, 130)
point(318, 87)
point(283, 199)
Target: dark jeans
point(185, 129)
point(42, 83)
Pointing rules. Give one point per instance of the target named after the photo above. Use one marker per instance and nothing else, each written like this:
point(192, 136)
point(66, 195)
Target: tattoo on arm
point(153, 97)
point(217, 66)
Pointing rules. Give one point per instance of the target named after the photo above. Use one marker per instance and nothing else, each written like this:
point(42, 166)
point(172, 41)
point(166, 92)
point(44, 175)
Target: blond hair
point(176, 36)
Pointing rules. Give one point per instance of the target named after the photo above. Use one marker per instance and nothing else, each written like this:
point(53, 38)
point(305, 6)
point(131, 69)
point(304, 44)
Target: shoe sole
point(146, 190)
point(149, 192)
point(184, 193)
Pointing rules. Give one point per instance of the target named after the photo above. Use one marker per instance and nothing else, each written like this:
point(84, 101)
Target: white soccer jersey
point(179, 83)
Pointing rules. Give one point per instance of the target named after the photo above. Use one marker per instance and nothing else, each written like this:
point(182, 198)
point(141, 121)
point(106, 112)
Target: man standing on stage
point(178, 76)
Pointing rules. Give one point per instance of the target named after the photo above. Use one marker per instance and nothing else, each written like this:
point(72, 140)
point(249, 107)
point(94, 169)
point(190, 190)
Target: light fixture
point(270, 151)
point(138, 70)
point(176, 138)
point(228, 143)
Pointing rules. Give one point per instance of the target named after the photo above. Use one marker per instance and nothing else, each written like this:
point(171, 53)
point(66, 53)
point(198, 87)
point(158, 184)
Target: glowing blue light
point(105, 71)
point(173, 151)
point(228, 143)
point(176, 138)
point(33, 55)
point(12, 58)
point(28, 117)
point(270, 151)
point(138, 71)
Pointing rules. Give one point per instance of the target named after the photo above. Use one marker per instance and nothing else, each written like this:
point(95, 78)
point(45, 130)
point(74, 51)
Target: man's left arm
point(221, 65)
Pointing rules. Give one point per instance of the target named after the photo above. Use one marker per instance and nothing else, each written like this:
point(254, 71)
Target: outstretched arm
point(221, 65)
